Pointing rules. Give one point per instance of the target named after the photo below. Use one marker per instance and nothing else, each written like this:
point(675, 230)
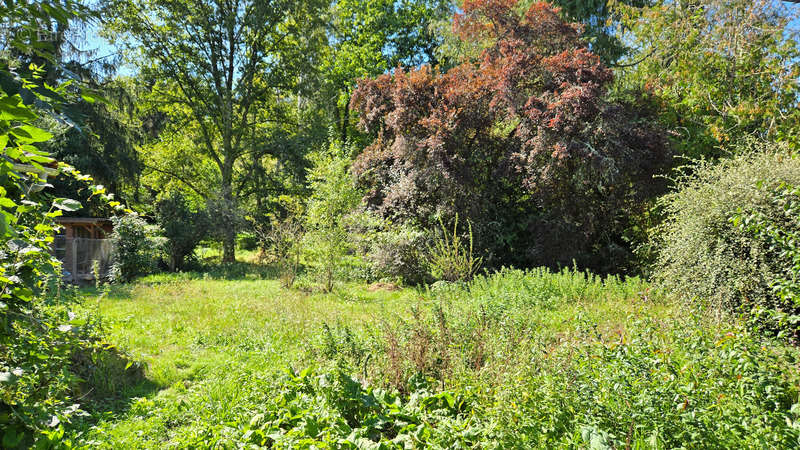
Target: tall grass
point(515, 359)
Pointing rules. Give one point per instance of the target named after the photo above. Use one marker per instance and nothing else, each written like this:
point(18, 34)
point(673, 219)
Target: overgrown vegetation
point(285, 242)
point(492, 154)
point(450, 258)
point(326, 242)
point(182, 227)
point(729, 238)
point(136, 250)
point(40, 344)
point(514, 359)
point(520, 141)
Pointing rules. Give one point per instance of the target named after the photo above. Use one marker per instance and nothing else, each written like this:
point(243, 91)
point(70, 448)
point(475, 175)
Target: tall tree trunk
point(229, 231)
point(229, 215)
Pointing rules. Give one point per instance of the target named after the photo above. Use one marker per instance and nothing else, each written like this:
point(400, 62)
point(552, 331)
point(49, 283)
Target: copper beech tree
point(523, 141)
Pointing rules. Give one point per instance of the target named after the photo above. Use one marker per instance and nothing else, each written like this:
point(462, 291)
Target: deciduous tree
point(523, 142)
point(370, 37)
point(215, 64)
point(720, 70)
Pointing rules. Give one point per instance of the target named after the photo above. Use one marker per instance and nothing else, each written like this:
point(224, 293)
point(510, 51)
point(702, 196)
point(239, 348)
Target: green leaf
point(11, 438)
point(30, 134)
point(77, 322)
point(12, 108)
point(7, 377)
point(67, 204)
point(4, 229)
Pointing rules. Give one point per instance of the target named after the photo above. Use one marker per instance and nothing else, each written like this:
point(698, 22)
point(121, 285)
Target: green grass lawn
point(200, 334)
point(532, 360)
point(183, 328)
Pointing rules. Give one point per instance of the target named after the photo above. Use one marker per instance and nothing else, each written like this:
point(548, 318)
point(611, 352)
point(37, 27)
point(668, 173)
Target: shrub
point(285, 240)
point(334, 410)
point(182, 227)
point(391, 251)
point(725, 234)
point(523, 141)
point(398, 252)
point(333, 197)
point(780, 234)
point(247, 241)
point(135, 251)
point(449, 258)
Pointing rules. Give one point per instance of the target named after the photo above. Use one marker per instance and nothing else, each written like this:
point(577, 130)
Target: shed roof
point(83, 220)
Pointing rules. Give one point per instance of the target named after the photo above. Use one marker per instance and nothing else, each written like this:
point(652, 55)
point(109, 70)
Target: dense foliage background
point(424, 143)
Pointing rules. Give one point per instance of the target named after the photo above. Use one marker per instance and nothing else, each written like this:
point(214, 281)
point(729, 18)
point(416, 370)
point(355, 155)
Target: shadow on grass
point(108, 382)
point(220, 271)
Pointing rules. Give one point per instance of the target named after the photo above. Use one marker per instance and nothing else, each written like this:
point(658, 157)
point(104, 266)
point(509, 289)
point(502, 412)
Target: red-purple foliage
point(522, 141)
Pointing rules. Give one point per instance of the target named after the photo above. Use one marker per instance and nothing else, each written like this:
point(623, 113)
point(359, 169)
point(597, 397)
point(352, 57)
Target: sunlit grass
point(215, 343)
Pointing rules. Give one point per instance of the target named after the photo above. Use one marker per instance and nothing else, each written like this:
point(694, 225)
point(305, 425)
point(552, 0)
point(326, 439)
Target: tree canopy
point(214, 66)
point(719, 70)
point(523, 142)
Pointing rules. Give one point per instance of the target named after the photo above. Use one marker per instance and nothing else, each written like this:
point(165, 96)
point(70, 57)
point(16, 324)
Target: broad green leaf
point(67, 204)
point(12, 109)
point(4, 230)
point(31, 134)
point(12, 438)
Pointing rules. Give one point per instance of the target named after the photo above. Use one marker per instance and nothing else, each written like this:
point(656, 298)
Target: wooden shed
point(83, 247)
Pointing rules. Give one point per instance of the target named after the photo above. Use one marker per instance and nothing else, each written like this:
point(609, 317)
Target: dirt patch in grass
point(380, 286)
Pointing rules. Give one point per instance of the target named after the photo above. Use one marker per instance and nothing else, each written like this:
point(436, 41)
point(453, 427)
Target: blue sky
point(101, 48)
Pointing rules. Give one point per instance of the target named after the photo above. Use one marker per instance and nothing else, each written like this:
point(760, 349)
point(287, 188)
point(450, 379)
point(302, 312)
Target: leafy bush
point(728, 239)
point(333, 196)
point(398, 253)
point(333, 409)
point(778, 230)
point(523, 141)
point(449, 258)
point(247, 241)
point(38, 341)
point(182, 227)
point(135, 249)
point(391, 251)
